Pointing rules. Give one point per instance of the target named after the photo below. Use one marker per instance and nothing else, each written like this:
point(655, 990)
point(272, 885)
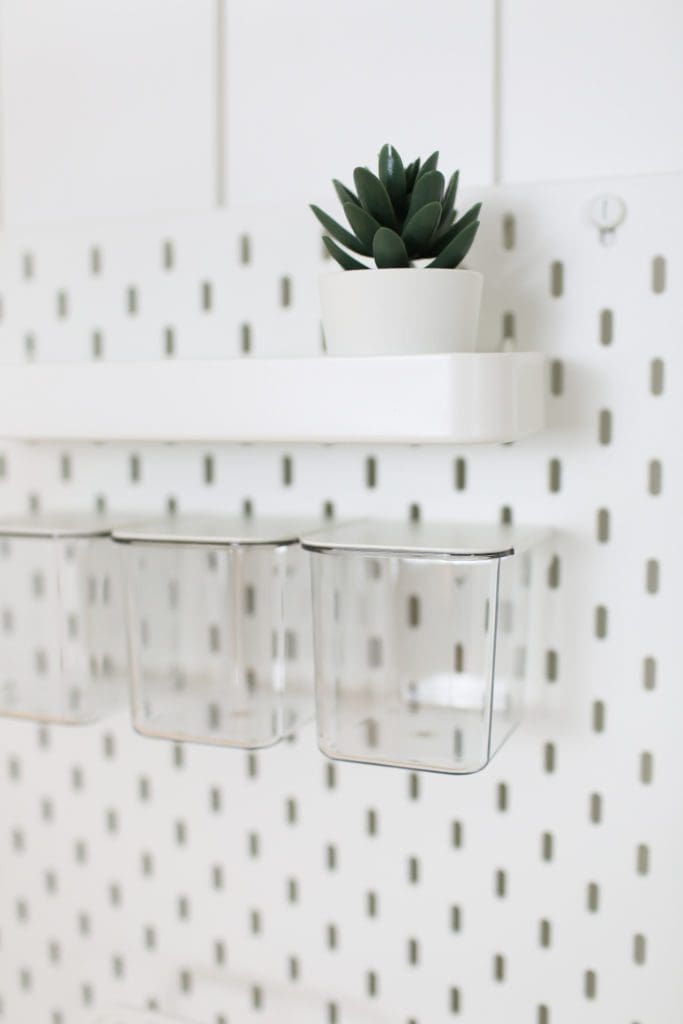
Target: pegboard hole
point(642, 859)
point(285, 291)
point(639, 949)
point(206, 296)
point(244, 249)
point(95, 260)
point(97, 344)
point(509, 232)
point(557, 378)
point(509, 330)
point(132, 301)
point(595, 810)
point(544, 934)
point(603, 525)
point(547, 846)
point(647, 768)
point(657, 377)
point(27, 266)
point(590, 984)
point(652, 576)
point(658, 275)
point(549, 758)
point(598, 716)
point(554, 476)
point(245, 338)
point(593, 897)
point(605, 427)
point(554, 573)
point(460, 474)
point(649, 673)
point(606, 326)
point(287, 471)
point(654, 477)
point(556, 278)
point(167, 254)
point(601, 622)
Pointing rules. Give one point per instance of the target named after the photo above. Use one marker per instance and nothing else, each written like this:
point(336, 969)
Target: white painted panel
point(591, 87)
point(108, 107)
point(313, 89)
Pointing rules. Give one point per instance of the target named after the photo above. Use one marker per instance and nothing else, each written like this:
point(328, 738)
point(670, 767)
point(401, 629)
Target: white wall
point(108, 107)
point(117, 107)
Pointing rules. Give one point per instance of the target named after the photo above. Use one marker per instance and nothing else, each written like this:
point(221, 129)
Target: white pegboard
point(222, 887)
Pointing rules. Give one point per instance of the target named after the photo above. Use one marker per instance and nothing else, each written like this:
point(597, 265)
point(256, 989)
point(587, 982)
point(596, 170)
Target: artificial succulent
point(401, 215)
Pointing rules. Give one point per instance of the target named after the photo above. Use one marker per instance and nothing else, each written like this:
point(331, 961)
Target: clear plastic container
point(421, 641)
point(62, 650)
point(218, 615)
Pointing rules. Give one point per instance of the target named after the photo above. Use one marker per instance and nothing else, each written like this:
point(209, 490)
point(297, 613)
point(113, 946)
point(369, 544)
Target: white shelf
point(456, 399)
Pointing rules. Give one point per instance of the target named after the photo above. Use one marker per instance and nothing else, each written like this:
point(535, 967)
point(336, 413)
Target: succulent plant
point(401, 215)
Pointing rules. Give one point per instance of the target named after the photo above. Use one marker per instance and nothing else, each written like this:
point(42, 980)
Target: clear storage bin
point(219, 629)
point(62, 650)
point(421, 641)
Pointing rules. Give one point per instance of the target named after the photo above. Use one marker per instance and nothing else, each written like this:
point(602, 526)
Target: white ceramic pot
point(406, 311)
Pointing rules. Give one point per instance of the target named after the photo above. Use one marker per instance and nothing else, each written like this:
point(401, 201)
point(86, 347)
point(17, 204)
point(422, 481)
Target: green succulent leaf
point(345, 194)
point(389, 249)
point(392, 174)
point(457, 248)
point(412, 171)
point(419, 229)
point(343, 259)
point(448, 202)
point(444, 237)
point(430, 164)
point(340, 233)
point(428, 189)
point(374, 196)
point(363, 223)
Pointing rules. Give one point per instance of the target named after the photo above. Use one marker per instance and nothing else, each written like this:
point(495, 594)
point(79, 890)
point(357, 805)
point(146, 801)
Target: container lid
point(209, 530)
point(58, 525)
point(437, 540)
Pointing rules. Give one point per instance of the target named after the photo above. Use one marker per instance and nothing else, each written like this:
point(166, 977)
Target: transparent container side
point(62, 652)
point(405, 655)
point(219, 645)
point(512, 657)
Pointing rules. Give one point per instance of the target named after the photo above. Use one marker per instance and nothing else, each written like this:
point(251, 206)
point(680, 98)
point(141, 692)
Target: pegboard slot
point(463, 398)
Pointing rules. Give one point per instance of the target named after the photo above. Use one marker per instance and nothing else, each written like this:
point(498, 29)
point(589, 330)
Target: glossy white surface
point(465, 398)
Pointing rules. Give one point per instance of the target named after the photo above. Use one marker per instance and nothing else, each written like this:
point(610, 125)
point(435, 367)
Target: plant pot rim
point(405, 270)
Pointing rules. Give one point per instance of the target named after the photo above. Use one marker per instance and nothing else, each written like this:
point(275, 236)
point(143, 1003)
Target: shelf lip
point(462, 398)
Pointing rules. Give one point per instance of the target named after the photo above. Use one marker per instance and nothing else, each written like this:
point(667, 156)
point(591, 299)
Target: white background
point(131, 106)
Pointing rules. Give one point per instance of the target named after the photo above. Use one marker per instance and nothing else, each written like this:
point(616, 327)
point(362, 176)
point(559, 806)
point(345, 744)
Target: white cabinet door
point(108, 108)
point(315, 88)
point(591, 87)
